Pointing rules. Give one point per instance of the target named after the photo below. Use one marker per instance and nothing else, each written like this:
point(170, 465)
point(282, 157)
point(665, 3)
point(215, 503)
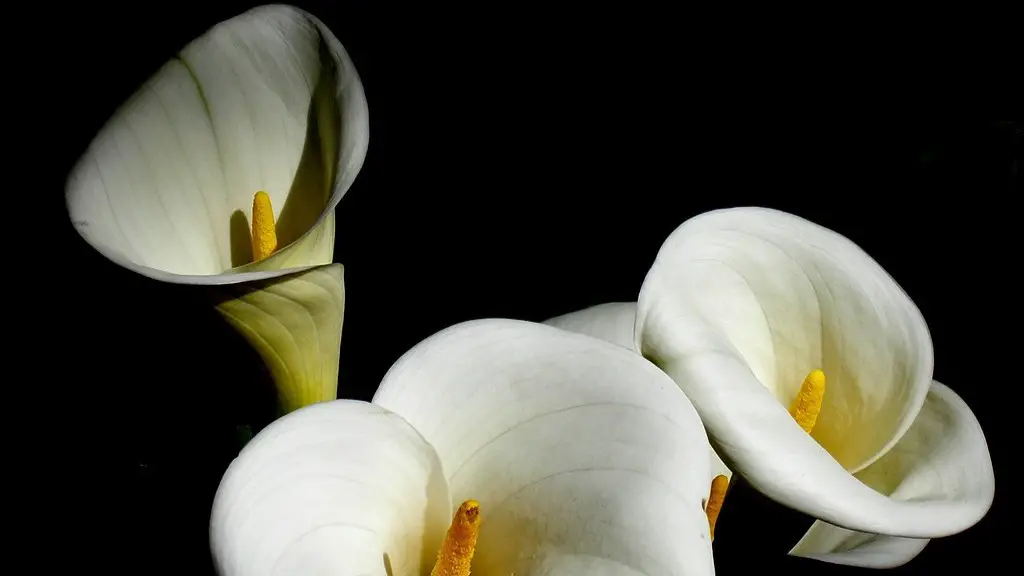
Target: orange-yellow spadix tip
point(456, 552)
point(264, 233)
point(807, 404)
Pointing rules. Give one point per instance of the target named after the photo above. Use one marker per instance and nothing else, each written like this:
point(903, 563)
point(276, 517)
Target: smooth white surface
point(157, 188)
point(944, 456)
point(585, 457)
point(739, 306)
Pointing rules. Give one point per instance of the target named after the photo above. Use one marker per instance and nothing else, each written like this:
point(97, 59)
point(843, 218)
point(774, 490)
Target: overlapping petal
point(942, 457)
point(739, 306)
point(331, 489)
point(584, 456)
point(614, 322)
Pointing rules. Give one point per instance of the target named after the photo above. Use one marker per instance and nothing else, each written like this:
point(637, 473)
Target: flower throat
point(804, 409)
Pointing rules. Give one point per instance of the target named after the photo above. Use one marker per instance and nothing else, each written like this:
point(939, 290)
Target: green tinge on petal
point(294, 322)
point(315, 248)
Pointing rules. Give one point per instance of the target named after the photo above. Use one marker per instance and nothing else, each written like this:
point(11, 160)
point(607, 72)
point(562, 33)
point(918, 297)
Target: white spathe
point(584, 457)
point(268, 100)
point(739, 307)
point(614, 322)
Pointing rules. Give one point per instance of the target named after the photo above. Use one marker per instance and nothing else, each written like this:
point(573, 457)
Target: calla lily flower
point(559, 454)
point(224, 171)
point(812, 372)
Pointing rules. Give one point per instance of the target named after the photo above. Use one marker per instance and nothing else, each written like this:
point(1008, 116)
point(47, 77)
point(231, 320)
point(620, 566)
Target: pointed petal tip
point(942, 464)
point(867, 551)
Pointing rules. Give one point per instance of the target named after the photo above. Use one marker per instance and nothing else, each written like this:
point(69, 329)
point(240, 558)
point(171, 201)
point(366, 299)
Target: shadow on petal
point(241, 239)
point(314, 178)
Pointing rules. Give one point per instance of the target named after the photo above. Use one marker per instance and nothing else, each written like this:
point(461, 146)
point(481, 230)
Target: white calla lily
point(266, 101)
point(738, 308)
point(576, 456)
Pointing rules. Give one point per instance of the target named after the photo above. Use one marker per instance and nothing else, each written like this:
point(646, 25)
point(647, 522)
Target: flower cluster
point(599, 442)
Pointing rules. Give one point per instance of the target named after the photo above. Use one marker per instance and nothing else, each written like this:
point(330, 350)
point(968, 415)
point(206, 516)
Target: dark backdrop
point(525, 165)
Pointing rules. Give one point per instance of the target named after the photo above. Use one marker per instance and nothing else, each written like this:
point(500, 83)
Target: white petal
point(331, 489)
point(740, 306)
point(581, 453)
point(718, 467)
point(786, 297)
point(268, 100)
point(943, 457)
point(613, 322)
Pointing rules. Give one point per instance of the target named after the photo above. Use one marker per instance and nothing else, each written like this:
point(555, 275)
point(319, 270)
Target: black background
point(524, 164)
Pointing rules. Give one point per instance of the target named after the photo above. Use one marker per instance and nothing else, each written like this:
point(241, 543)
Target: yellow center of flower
point(264, 234)
point(718, 486)
point(804, 409)
point(456, 552)
point(807, 404)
